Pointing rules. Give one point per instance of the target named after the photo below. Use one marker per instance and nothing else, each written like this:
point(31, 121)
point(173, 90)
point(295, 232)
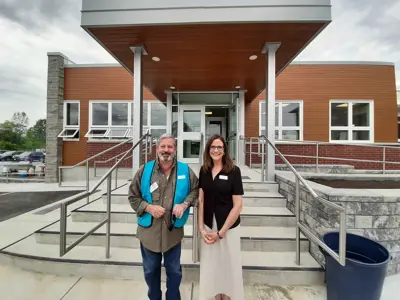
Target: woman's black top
point(218, 195)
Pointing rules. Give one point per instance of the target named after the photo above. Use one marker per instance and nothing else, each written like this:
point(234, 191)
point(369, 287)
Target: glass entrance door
point(191, 125)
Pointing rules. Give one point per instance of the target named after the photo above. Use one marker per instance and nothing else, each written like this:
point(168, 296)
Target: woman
point(220, 204)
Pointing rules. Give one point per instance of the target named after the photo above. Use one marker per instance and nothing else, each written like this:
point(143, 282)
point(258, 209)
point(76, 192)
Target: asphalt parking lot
point(15, 204)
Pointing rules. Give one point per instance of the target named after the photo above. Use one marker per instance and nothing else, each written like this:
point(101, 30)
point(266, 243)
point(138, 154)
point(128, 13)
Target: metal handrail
point(341, 258)
point(70, 200)
point(87, 160)
point(195, 233)
point(105, 161)
point(305, 142)
point(384, 162)
point(118, 155)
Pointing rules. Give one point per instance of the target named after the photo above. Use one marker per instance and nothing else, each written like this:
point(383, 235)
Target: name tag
point(181, 176)
point(223, 177)
point(153, 187)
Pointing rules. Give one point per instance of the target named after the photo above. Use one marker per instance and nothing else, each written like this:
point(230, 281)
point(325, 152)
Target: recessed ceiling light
point(155, 58)
point(253, 57)
point(172, 87)
point(237, 87)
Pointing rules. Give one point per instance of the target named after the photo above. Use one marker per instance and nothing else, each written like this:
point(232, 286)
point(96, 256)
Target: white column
point(138, 52)
point(270, 49)
point(241, 129)
point(169, 111)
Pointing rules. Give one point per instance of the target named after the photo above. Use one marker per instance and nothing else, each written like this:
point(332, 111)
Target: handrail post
point(87, 180)
point(108, 229)
point(116, 174)
point(262, 160)
point(251, 152)
point(146, 145)
point(384, 160)
point(59, 176)
point(94, 170)
point(317, 158)
point(195, 249)
point(63, 228)
point(297, 221)
point(342, 238)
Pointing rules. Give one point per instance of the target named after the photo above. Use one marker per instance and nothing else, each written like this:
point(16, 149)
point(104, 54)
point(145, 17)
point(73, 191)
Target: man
point(161, 193)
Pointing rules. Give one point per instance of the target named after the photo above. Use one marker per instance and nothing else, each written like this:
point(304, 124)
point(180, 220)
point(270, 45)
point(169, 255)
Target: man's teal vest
point(182, 190)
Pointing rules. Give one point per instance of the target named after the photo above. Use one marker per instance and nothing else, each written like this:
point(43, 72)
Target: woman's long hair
point(227, 162)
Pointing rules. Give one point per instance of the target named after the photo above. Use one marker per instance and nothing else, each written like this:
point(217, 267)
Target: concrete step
point(123, 213)
point(250, 198)
point(274, 268)
point(124, 235)
point(269, 186)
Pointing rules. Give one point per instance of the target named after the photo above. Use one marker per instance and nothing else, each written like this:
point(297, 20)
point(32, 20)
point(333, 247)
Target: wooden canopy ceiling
point(206, 57)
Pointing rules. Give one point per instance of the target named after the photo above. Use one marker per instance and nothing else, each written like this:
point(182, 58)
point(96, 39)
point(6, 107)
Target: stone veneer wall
point(368, 214)
point(54, 125)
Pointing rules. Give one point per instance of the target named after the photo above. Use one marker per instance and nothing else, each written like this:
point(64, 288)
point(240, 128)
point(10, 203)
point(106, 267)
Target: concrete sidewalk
point(17, 284)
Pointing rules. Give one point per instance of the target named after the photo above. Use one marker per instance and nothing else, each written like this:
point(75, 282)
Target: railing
point(384, 162)
point(64, 205)
point(147, 150)
point(86, 162)
point(317, 157)
point(195, 234)
point(341, 258)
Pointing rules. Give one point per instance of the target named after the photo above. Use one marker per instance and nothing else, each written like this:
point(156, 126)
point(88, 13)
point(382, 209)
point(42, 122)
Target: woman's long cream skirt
point(221, 266)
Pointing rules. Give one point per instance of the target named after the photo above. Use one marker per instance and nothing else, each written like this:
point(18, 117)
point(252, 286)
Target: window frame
point(128, 133)
point(350, 128)
point(70, 127)
point(398, 133)
point(279, 127)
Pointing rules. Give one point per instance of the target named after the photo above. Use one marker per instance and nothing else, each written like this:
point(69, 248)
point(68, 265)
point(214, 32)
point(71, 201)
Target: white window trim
point(128, 133)
point(70, 127)
point(279, 127)
point(350, 128)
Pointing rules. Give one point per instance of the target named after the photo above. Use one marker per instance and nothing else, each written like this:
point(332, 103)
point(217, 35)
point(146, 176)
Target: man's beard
point(166, 157)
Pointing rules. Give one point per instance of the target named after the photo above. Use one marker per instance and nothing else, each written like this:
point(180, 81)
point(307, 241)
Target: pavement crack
point(70, 289)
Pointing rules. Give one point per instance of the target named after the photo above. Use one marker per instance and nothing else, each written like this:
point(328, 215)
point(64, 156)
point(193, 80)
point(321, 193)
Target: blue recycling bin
point(364, 274)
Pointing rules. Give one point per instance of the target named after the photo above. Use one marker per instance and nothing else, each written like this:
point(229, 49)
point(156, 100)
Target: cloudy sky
point(361, 30)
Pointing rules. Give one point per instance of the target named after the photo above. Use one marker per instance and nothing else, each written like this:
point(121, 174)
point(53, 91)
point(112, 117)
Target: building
point(398, 114)
point(190, 70)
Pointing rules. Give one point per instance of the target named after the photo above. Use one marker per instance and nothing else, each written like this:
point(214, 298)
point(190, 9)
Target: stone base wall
point(369, 214)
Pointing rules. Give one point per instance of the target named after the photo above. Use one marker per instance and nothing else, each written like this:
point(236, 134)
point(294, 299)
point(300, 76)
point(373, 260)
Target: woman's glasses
point(219, 148)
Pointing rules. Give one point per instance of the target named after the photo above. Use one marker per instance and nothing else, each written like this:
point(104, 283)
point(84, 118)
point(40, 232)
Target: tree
point(9, 133)
point(21, 120)
point(15, 135)
point(39, 132)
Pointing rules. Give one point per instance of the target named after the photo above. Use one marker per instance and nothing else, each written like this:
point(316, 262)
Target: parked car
point(8, 156)
point(19, 157)
point(35, 156)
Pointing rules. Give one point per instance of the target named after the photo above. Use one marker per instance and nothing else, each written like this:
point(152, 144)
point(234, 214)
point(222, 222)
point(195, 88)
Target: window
point(398, 129)
point(113, 120)
point(71, 121)
point(351, 121)
point(288, 120)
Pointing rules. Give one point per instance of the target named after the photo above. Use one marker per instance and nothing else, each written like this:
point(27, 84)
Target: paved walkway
point(17, 284)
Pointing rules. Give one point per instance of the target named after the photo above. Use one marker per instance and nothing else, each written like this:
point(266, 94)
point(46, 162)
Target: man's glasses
point(219, 148)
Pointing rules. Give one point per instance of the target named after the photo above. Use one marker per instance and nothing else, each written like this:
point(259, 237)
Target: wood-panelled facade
point(314, 84)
